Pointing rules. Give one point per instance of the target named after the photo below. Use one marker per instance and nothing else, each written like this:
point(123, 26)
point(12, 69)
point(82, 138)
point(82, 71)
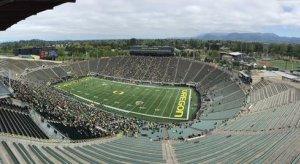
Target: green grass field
point(149, 102)
point(281, 64)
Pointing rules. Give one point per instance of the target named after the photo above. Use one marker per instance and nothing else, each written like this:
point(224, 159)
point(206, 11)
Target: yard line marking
point(165, 94)
point(170, 97)
point(123, 97)
point(188, 112)
point(174, 102)
point(153, 102)
point(144, 97)
point(115, 98)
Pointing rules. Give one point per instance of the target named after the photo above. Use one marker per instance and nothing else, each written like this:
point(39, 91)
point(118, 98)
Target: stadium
point(146, 107)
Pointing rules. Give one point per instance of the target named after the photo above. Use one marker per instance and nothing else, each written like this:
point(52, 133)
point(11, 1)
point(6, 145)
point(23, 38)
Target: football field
point(143, 101)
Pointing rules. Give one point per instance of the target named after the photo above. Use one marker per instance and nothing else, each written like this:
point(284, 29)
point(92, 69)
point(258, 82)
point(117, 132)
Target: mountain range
point(249, 37)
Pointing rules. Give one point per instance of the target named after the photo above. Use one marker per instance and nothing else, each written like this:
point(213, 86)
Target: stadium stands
point(16, 120)
point(122, 150)
point(227, 130)
point(278, 108)
point(265, 89)
point(76, 69)
point(241, 148)
point(154, 69)
point(214, 148)
point(60, 72)
point(172, 70)
point(93, 65)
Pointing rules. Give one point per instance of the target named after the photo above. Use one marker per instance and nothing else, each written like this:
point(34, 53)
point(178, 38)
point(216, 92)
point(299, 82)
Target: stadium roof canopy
point(13, 11)
point(236, 53)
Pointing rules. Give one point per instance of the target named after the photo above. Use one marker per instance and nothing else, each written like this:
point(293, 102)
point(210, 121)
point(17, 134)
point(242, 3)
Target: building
point(152, 51)
point(49, 53)
point(257, 75)
point(232, 56)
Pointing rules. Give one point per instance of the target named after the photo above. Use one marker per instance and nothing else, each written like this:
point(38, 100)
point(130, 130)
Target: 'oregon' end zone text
point(181, 104)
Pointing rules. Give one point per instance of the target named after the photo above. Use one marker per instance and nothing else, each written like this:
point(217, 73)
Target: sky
point(123, 19)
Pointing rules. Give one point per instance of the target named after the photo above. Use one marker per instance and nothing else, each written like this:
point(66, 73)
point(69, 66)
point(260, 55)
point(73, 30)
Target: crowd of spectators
point(156, 69)
point(55, 106)
point(151, 69)
point(87, 119)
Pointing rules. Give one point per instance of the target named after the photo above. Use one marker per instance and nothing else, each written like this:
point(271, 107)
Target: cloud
point(99, 19)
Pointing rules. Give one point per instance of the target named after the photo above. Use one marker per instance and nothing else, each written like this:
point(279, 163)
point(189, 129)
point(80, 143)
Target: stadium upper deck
point(152, 51)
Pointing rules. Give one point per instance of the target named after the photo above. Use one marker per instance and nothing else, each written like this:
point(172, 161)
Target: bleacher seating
point(165, 69)
point(268, 119)
point(243, 148)
point(76, 69)
point(222, 115)
point(72, 132)
point(273, 107)
point(182, 69)
point(93, 65)
point(281, 147)
point(16, 120)
point(60, 72)
point(19, 66)
point(84, 67)
point(181, 132)
point(103, 62)
point(159, 73)
point(171, 70)
point(265, 89)
point(195, 67)
point(124, 150)
point(206, 125)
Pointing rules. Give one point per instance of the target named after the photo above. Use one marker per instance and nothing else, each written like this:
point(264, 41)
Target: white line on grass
point(174, 102)
point(141, 85)
point(153, 102)
point(188, 112)
point(167, 104)
point(143, 98)
point(162, 100)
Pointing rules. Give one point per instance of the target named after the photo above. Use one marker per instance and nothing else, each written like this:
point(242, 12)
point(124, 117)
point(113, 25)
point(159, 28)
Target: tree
point(61, 54)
